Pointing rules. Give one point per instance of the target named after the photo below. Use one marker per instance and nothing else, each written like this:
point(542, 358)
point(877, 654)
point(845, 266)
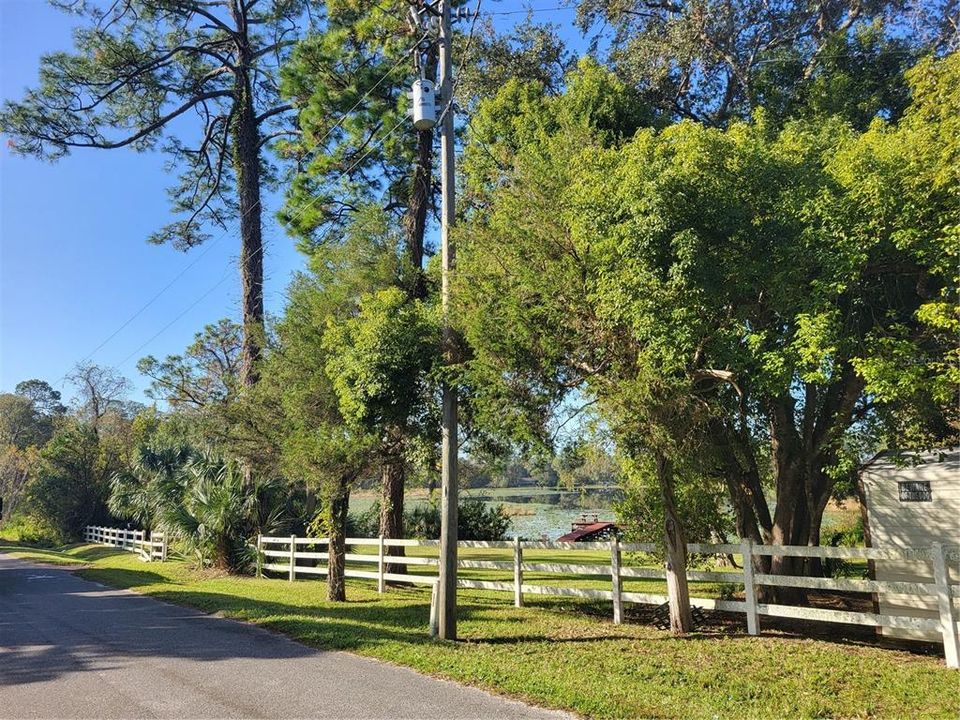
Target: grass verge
point(560, 652)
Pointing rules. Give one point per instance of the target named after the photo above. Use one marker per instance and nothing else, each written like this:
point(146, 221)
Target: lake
point(535, 512)
point(547, 513)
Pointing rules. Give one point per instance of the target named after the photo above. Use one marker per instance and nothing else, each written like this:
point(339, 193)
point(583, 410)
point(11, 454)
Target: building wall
point(903, 523)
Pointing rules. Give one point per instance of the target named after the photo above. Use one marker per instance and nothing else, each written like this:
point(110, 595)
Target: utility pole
point(447, 595)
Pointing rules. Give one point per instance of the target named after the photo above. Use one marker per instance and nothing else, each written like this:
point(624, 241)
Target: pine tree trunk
point(416, 218)
point(246, 162)
point(339, 506)
point(678, 593)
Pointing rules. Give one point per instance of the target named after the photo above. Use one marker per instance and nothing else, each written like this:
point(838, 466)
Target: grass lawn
point(559, 652)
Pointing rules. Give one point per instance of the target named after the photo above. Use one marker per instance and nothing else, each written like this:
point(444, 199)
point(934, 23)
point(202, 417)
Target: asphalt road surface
point(70, 648)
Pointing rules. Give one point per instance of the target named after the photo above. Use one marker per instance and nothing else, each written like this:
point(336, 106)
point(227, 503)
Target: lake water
point(547, 513)
point(535, 512)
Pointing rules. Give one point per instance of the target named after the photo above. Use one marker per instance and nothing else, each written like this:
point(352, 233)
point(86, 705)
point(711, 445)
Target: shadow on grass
point(123, 578)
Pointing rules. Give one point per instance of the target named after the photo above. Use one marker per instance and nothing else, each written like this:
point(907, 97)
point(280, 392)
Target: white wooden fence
point(149, 548)
point(281, 554)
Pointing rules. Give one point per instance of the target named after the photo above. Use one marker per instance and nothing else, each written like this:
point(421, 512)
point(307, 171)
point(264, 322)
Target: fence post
point(293, 557)
point(615, 578)
point(259, 555)
point(380, 566)
point(749, 588)
point(517, 572)
point(165, 547)
point(948, 615)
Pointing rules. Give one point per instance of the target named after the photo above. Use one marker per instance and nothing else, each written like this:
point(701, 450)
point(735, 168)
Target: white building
point(912, 505)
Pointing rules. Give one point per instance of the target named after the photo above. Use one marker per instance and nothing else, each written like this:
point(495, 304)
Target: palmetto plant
point(211, 517)
point(201, 501)
point(153, 483)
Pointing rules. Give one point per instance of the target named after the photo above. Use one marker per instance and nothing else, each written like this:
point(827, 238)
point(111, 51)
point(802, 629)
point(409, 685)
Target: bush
point(366, 523)
point(28, 529)
point(71, 487)
point(844, 536)
point(202, 501)
point(702, 503)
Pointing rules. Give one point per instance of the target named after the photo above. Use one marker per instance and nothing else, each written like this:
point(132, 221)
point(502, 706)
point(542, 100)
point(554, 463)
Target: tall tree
point(718, 60)
point(196, 79)
point(45, 399)
point(302, 416)
point(350, 83)
point(28, 414)
point(799, 285)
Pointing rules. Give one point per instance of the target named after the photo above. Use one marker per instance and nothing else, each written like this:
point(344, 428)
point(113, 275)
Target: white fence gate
point(280, 554)
point(148, 548)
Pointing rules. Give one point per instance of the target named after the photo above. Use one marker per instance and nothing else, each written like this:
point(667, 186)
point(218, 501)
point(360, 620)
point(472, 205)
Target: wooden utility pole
point(447, 596)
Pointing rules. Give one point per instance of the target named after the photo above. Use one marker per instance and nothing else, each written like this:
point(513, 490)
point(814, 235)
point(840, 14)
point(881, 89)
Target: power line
point(166, 327)
point(211, 244)
point(528, 11)
point(302, 209)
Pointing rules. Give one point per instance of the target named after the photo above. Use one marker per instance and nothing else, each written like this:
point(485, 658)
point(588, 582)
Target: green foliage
point(722, 290)
point(357, 68)
point(28, 414)
point(200, 500)
point(380, 357)
point(584, 462)
point(72, 484)
point(714, 62)
point(475, 521)
point(152, 484)
point(16, 468)
point(28, 529)
point(848, 535)
point(215, 518)
point(702, 505)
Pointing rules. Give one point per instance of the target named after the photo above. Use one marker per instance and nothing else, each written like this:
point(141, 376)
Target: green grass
point(562, 653)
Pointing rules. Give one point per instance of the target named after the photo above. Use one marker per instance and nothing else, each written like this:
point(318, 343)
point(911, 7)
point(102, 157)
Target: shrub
point(29, 529)
point(850, 535)
point(72, 485)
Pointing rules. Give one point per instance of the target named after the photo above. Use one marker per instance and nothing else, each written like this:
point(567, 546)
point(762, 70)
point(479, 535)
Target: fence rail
point(149, 548)
point(945, 590)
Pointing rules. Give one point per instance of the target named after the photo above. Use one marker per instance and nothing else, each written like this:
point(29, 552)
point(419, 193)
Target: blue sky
point(74, 261)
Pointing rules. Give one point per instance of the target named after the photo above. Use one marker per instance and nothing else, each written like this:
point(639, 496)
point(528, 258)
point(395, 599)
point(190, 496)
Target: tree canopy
point(786, 289)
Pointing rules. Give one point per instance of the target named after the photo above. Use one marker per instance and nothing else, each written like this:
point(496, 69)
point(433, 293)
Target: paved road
point(70, 648)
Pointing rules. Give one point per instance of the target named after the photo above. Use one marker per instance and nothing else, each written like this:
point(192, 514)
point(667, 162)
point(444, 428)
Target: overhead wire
point(212, 243)
point(302, 209)
point(319, 143)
